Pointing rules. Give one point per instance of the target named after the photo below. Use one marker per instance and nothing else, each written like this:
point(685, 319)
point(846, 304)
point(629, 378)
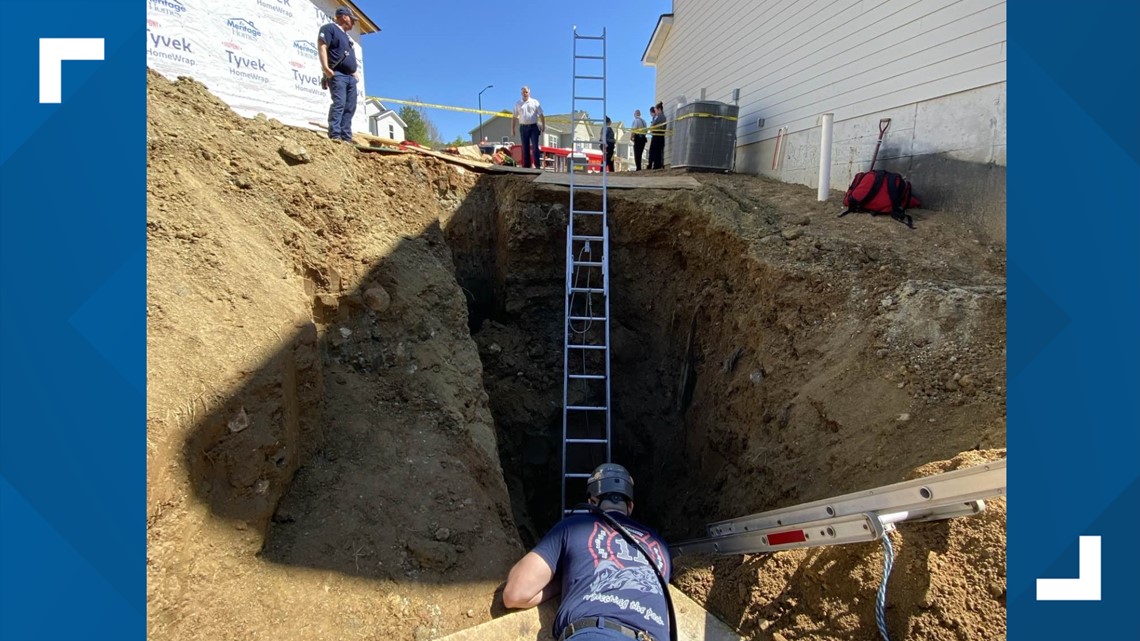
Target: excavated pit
point(740, 382)
point(355, 386)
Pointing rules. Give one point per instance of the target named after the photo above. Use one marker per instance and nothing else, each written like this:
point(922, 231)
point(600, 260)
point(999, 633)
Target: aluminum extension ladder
point(586, 426)
point(856, 517)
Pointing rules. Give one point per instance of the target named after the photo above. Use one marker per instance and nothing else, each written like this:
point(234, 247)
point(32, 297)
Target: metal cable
point(881, 599)
point(589, 311)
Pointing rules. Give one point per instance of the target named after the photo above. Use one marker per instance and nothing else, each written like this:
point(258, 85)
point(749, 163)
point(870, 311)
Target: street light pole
point(481, 113)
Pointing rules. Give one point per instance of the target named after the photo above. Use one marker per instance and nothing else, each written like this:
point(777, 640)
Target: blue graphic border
point(1074, 312)
point(72, 308)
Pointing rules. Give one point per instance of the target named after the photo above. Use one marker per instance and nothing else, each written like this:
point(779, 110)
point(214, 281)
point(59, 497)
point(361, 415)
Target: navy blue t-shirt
point(604, 576)
point(338, 43)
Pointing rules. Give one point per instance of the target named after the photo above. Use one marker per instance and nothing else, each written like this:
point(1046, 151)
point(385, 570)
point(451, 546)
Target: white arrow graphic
point(1086, 587)
point(53, 51)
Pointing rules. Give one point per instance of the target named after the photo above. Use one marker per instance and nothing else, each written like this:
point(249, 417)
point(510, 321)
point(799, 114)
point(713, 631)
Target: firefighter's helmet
point(610, 477)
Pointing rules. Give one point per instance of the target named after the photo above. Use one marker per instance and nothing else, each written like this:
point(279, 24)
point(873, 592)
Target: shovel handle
point(883, 124)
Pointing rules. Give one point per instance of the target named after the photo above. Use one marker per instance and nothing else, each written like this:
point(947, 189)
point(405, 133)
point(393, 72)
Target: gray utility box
point(704, 135)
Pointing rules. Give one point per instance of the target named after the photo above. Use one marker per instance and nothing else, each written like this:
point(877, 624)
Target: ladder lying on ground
point(586, 344)
point(856, 517)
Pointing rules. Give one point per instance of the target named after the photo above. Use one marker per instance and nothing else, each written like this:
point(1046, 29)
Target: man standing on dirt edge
point(609, 591)
point(338, 61)
point(530, 122)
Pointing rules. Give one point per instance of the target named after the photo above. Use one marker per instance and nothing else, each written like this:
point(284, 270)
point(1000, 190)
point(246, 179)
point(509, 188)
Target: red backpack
point(881, 192)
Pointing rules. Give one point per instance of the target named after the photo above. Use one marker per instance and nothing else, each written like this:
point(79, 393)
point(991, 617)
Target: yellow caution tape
point(701, 115)
point(428, 105)
point(507, 114)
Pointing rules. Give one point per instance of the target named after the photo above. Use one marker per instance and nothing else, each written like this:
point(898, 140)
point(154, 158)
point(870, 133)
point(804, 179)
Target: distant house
point(384, 122)
point(936, 68)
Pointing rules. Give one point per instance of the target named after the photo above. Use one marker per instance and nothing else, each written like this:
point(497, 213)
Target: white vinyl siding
point(796, 59)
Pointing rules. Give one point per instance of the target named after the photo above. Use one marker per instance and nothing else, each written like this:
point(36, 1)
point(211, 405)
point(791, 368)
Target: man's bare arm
point(530, 583)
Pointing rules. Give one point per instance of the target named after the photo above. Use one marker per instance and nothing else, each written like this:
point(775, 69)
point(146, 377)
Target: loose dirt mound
point(305, 317)
point(325, 437)
point(948, 581)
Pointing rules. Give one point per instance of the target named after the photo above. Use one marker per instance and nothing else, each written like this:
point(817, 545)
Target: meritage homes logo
point(245, 65)
point(306, 77)
point(243, 28)
point(169, 47)
point(306, 48)
point(168, 7)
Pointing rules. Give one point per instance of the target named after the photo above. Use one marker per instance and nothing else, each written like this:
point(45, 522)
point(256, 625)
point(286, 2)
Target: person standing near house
point(639, 137)
point(657, 143)
point(339, 64)
point(530, 122)
point(608, 145)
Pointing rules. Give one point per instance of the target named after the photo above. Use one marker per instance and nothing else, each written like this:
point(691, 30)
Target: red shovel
point(883, 124)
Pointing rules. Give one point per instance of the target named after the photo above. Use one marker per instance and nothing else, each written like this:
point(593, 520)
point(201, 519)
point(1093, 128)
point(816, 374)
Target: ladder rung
point(600, 319)
point(598, 187)
point(589, 238)
point(590, 57)
point(590, 142)
point(590, 377)
point(589, 98)
point(587, 290)
point(572, 346)
point(589, 77)
point(587, 263)
point(577, 475)
point(587, 212)
point(586, 408)
point(589, 37)
point(586, 441)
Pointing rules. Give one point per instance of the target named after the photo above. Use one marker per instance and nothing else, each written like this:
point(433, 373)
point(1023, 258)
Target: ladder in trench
point(586, 428)
point(857, 517)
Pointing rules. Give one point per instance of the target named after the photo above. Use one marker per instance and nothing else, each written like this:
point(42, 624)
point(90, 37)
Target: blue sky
point(445, 51)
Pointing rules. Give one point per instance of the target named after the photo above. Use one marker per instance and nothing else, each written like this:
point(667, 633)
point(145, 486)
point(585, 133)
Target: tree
point(459, 141)
point(420, 128)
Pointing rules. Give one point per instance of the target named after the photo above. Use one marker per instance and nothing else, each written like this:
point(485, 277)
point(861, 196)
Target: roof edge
point(657, 40)
point(367, 25)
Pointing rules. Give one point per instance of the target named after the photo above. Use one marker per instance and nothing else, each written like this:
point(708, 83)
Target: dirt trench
point(354, 385)
point(758, 361)
point(805, 380)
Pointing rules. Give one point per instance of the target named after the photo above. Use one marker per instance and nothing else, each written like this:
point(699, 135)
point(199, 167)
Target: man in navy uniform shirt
point(338, 61)
point(609, 590)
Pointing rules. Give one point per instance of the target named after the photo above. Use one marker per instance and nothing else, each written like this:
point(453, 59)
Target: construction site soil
point(354, 369)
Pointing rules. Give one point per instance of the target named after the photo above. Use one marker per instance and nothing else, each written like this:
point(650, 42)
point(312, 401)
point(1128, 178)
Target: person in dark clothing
point(657, 142)
point(608, 146)
point(609, 590)
point(637, 127)
point(339, 64)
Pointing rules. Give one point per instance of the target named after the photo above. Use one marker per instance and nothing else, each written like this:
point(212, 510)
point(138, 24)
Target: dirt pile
point(321, 459)
point(947, 583)
point(354, 386)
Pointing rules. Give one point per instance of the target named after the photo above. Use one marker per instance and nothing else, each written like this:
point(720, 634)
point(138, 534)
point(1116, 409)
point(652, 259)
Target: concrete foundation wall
point(952, 149)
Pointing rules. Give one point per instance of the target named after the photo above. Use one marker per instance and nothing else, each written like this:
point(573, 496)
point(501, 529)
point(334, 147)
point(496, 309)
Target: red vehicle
point(558, 159)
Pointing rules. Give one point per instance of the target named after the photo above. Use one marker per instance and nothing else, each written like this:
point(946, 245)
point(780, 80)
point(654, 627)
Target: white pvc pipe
point(825, 157)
